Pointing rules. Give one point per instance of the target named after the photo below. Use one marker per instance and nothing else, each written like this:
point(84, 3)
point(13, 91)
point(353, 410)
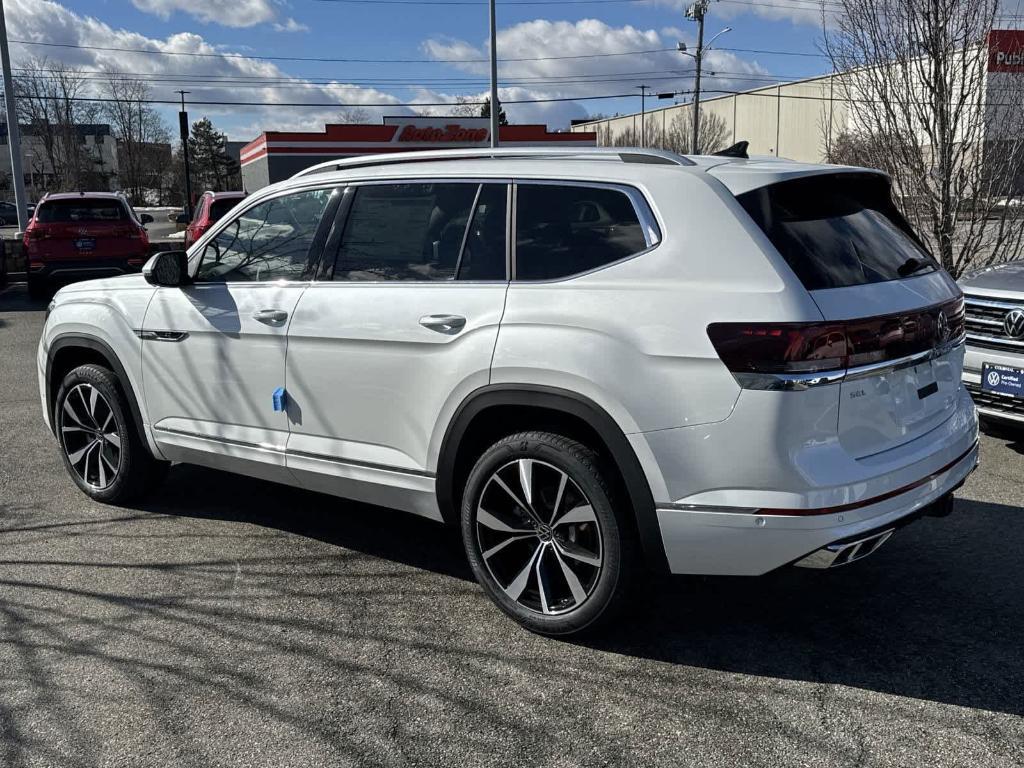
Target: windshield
point(838, 230)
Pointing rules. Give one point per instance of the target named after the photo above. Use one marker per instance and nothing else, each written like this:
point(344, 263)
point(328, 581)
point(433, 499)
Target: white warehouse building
point(803, 120)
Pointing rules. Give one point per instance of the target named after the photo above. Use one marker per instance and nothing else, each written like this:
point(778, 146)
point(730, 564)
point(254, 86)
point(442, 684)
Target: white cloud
point(228, 13)
point(236, 78)
point(291, 25)
point(663, 69)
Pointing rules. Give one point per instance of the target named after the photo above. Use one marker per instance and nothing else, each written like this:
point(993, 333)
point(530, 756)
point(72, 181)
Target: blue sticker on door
point(1002, 380)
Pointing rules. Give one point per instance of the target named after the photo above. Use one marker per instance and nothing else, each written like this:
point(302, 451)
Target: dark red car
point(78, 235)
point(211, 206)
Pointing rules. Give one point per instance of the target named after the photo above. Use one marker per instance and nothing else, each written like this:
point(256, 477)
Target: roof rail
point(622, 154)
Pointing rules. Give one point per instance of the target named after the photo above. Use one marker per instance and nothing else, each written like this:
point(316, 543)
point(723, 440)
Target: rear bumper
point(81, 269)
point(745, 543)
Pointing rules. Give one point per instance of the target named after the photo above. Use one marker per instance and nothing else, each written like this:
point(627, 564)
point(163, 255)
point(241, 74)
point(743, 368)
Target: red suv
point(211, 206)
point(83, 234)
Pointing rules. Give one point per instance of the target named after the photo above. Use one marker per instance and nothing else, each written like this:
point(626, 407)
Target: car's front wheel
point(544, 534)
point(101, 448)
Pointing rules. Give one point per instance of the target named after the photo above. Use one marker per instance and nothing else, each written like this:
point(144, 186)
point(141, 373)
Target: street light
point(697, 12)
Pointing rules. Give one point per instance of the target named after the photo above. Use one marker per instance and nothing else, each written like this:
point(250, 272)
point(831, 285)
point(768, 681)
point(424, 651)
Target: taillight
point(817, 347)
point(780, 347)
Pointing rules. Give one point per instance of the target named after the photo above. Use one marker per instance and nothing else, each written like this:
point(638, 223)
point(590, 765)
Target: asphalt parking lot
point(230, 622)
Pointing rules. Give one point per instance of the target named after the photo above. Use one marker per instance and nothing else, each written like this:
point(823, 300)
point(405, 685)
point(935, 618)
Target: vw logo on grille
point(1013, 324)
point(942, 326)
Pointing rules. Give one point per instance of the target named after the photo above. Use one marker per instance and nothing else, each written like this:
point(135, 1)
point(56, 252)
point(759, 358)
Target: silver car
point(994, 364)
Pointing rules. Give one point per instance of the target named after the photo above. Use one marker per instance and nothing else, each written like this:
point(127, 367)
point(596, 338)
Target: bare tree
point(144, 149)
point(355, 115)
point(464, 107)
point(923, 108)
point(51, 102)
point(713, 133)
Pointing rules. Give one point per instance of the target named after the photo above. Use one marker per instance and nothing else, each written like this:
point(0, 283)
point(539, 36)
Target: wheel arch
point(69, 350)
point(475, 419)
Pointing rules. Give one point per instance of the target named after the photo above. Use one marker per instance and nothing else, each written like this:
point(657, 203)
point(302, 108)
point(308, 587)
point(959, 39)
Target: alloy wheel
point(539, 536)
point(90, 437)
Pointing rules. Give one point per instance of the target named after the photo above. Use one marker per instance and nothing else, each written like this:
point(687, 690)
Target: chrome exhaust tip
point(845, 552)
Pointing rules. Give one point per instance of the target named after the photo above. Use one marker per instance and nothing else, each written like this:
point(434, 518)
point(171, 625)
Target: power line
point(333, 60)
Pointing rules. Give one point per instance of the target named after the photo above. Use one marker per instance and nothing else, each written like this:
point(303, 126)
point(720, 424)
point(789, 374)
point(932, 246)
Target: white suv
point(591, 361)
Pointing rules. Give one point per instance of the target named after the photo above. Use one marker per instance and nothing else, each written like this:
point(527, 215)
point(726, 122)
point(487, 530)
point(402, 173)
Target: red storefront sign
point(447, 134)
point(1006, 50)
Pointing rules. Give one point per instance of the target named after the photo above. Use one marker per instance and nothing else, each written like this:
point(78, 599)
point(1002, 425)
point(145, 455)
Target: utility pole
point(13, 134)
point(495, 107)
point(183, 132)
point(643, 114)
point(697, 11)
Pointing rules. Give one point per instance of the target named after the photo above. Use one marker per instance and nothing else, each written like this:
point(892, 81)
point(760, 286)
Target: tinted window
point(417, 232)
point(67, 211)
point(838, 230)
point(219, 207)
point(484, 255)
point(566, 230)
point(269, 241)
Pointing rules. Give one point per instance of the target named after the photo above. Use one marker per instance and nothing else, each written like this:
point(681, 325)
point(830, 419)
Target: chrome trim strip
point(300, 454)
point(995, 340)
point(227, 441)
point(995, 413)
point(146, 335)
point(991, 303)
point(984, 321)
point(798, 382)
point(787, 382)
point(827, 556)
point(357, 463)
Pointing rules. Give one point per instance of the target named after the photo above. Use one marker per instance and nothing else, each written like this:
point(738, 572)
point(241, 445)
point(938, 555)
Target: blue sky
point(379, 30)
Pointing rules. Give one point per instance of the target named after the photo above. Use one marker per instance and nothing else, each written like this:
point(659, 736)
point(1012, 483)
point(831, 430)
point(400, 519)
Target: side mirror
point(146, 218)
point(168, 269)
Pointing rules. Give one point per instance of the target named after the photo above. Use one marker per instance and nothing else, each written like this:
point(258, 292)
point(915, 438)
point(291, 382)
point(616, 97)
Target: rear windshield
point(219, 207)
point(838, 230)
point(63, 211)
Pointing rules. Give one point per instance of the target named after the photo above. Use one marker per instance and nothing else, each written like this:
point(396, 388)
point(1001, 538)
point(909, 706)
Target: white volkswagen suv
point(590, 361)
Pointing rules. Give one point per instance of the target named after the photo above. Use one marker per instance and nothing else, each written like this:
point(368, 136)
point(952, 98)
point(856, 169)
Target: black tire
point(99, 442)
point(38, 288)
point(602, 532)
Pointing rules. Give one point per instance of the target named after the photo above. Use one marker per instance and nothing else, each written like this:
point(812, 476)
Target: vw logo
point(1013, 324)
point(993, 378)
point(942, 326)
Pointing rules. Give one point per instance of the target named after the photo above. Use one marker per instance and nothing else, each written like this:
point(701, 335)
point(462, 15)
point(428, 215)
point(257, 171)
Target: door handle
point(450, 324)
point(270, 316)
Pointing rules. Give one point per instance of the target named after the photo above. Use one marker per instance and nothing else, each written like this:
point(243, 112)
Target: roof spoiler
point(739, 149)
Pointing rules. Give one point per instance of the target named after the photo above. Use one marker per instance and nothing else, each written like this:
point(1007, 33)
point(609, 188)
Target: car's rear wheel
point(544, 534)
point(102, 450)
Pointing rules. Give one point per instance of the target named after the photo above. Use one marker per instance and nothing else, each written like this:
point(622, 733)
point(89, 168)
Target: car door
point(213, 352)
point(401, 329)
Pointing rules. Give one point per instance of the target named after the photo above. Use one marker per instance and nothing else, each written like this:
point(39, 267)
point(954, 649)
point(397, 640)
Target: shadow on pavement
point(937, 614)
point(15, 298)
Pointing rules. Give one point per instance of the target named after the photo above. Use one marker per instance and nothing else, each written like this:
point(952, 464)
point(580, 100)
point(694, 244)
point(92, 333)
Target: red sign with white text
point(1006, 50)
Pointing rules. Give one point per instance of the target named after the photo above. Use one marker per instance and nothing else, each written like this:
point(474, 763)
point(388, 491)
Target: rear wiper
point(912, 265)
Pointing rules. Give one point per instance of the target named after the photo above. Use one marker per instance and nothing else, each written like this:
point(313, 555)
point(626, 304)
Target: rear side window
point(424, 231)
point(563, 230)
point(836, 231)
point(85, 210)
point(219, 207)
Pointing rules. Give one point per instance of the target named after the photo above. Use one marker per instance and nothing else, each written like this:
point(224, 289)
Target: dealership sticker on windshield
point(1002, 380)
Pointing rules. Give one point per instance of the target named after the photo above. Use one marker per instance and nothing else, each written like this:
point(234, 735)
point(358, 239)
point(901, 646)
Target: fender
point(95, 344)
point(573, 404)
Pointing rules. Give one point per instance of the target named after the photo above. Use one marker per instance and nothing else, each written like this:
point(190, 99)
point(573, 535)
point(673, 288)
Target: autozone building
point(277, 155)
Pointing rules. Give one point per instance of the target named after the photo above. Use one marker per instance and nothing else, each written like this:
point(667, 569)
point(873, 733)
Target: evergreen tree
point(485, 111)
point(212, 167)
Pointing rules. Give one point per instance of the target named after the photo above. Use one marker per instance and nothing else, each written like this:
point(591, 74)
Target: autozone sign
point(444, 135)
point(1006, 50)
